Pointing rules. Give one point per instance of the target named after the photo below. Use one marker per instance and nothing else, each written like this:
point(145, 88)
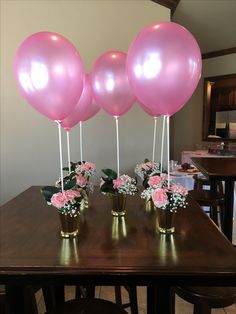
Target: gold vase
point(118, 202)
point(149, 206)
point(69, 226)
point(165, 220)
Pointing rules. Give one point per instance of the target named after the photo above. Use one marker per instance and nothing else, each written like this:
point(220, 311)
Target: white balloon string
point(117, 147)
point(168, 148)
point(81, 141)
point(68, 149)
point(162, 141)
point(60, 150)
point(154, 139)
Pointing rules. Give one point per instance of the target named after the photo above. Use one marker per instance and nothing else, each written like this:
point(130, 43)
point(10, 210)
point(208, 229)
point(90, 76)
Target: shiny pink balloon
point(151, 112)
point(164, 67)
point(85, 108)
point(49, 73)
point(110, 83)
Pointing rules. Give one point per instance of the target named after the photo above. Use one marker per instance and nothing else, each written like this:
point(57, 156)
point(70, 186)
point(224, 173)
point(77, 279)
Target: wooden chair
point(133, 301)
point(52, 296)
point(89, 292)
point(213, 200)
point(206, 298)
point(88, 306)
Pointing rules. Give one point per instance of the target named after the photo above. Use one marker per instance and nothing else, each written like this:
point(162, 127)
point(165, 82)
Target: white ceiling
point(212, 22)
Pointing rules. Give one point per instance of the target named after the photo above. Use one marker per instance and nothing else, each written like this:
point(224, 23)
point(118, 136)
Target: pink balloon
point(85, 108)
point(110, 83)
point(151, 112)
point(49, 73)
point(164, 67)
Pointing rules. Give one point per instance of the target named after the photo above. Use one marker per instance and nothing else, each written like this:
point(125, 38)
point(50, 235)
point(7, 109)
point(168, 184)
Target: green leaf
point(73, 165)
point(107, 188)
point(146, 160)
point(111, 174)
point(65, 169)
point(48, 192)
point(70, 184)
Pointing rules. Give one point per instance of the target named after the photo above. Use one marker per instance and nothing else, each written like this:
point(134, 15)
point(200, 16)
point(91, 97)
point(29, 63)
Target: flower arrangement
point(68, 202)
point(76, 187)
point(111, 183)
point(165, 193)
point(80, 173)
point(147, 169)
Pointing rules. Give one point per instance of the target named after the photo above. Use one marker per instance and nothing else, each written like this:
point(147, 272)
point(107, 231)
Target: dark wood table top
point(219, 167)
point(222, 169)
point(108, 252)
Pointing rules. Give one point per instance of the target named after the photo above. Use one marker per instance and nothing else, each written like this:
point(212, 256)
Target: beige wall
point(187, 130)
point(29, 141)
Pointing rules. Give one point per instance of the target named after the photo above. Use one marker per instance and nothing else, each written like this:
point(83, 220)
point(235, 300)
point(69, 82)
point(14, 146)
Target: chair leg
point(222, 214)
point(90, 291)
point(30, 304)
point(172, 301)
point(59, 294)
point(85, 292)
point(132, 290)
point(133, 301)
point(80, 292)
point(49, 297)
point(214, 214)
point(118, 295)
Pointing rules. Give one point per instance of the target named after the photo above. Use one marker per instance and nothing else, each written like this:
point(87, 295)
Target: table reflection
point(119, 229)
point(69, 251)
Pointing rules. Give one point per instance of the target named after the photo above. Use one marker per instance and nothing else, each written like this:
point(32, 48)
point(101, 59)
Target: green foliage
point(48, 192)
point(111, 174)
point(107, 186)
point(73, 166)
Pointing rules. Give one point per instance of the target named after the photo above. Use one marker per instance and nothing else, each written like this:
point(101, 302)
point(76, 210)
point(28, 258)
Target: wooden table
point(221, 169)
point(109, 253)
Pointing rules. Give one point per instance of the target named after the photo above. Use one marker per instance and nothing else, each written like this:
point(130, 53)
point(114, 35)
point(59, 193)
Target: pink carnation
point(155, 181)
point(179, 189)
point(58, 200)
point(160, 198)
point(72, 194)
point(81, 181)
point(165, 177)
point(117, 183)
point(87, 167)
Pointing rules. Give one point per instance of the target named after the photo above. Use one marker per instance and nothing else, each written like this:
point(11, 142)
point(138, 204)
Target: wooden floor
point(107, 293)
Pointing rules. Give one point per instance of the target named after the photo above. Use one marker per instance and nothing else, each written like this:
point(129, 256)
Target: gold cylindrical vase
point(165, 220)
point(149, 205)
point(118, 202)
point(69, 225)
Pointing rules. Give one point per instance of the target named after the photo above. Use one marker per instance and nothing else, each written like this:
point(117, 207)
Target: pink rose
point(155, 181)
point(81, 181)
point(160, 198)
point(58, 200)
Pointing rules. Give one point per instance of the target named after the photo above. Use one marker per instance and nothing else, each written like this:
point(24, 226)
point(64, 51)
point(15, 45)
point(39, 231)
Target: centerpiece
point(72, 198)
point(82, 171)
point(167, 197)
point(117, 188)
point(144, 171)
point(147, 169)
